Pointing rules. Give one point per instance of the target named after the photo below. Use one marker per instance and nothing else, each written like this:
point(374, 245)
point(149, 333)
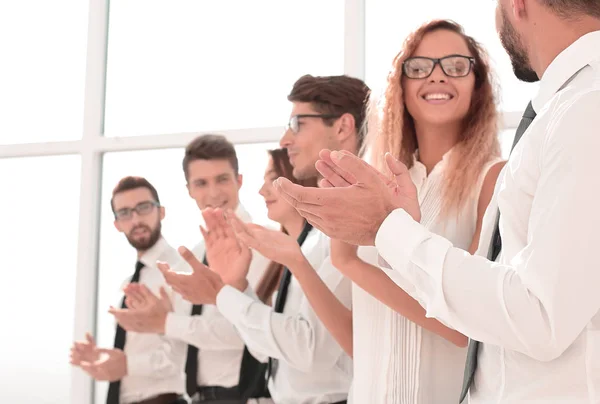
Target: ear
point(118, 226)
point(518, 8)
point(189, 189)
point(347, 127)
point(162, 212)
point(240, 180)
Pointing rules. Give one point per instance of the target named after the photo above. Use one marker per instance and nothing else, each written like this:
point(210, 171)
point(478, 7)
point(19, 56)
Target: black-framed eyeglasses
point(421, 67)
point(142, 209)
point(294, 124)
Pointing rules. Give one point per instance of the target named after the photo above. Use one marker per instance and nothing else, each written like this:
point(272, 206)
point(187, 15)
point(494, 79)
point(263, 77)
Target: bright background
point(90, 96)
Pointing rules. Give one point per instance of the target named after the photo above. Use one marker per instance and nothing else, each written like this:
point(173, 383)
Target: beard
point(511, 41)
point(145, 243)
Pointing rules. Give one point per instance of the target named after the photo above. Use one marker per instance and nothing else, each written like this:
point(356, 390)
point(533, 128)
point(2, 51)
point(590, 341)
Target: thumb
point(163, 266)
point(398, 169)
point(163, 294)
point(353, 165)
point(191, 259)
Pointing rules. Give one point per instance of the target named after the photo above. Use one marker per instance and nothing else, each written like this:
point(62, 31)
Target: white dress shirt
point(155, 363)
point(312, 369)
point(220, 348)
point(411, 364)
point(536, 309)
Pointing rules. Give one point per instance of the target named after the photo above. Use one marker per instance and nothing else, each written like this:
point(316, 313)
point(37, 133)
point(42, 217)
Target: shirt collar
point(565, 66)
point(243, 214)
point(155, 253)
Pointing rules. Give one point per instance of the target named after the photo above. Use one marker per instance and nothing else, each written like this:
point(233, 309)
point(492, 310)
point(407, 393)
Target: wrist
point(240, 284)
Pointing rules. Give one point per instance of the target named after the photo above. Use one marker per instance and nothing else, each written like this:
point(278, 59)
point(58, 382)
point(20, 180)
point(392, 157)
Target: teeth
point(437, 96)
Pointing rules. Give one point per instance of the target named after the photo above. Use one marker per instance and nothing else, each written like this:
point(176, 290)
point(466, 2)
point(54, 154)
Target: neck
point(434, 141)
point(549, 43)
point(294, 225)
point(140, 254)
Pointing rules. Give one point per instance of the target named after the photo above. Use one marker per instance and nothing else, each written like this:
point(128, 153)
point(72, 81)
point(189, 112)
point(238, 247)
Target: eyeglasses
point(142, 209)
point(294, 125)
point(453, 66)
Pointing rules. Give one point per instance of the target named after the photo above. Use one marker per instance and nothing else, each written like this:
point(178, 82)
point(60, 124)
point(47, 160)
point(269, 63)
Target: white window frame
point(93, 145)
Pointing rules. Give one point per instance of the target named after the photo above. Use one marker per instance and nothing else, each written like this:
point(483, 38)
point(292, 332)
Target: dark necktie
point(114, 388)
point(191, 364)
point(493, 252)
point(282, 292)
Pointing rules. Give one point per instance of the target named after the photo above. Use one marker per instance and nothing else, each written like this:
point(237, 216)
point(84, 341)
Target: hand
point(357, 200)
point(111, 365)
point(224, 253)
point(201, 286)
point(145, 312)
point(84, 351)
point(275, 245)
point(343, 255)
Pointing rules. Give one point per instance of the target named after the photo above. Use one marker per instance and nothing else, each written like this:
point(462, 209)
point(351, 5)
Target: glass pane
point(388, 22)
point(38, 235)
point(214, 65)
point(43, 70)
point(180, 226)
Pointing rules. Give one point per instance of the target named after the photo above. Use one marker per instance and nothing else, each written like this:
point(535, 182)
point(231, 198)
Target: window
point(190, 65)
point(39, 232)
point(180, 226)
point(388, 22)
point(43, 70)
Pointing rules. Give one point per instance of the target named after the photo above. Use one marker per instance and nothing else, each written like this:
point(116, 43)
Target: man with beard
point(214, 359)
point(533, 303)
point(141, 368)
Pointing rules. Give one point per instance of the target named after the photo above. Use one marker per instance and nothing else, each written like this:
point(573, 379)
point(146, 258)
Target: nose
point(263, 191)
point(437, 75)
point(287, 139)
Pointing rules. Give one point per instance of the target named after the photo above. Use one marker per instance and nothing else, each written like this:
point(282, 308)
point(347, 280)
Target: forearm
point(375, 282)
point(334, 315)
point(207, 331)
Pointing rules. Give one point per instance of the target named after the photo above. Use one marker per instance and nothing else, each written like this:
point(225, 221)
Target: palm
point(226, 257)
point(275, 245)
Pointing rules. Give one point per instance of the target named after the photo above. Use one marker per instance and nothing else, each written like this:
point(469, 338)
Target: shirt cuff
point(397, 238)
point(177, 325)
point(234, 304)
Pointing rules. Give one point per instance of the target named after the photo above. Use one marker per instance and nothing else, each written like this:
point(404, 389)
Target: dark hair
point(210, 147)
point(335, 95)
point(129, 183)
point(568, 9)
point(272, 276)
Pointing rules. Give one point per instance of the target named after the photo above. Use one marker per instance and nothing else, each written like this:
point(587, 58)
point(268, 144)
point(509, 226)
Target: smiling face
point(214, 184)
point(440, 99)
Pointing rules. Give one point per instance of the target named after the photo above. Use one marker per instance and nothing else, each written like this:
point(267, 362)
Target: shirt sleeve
point(540, 301)
point(299, 338)
point(210, 330)
point(162, 361)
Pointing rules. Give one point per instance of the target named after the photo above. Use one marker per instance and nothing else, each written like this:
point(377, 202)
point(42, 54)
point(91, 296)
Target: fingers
point(134, 298)
point(323, 183)
point(298, 196)
point(332, 172)
point(352, 165)
point(163, 267)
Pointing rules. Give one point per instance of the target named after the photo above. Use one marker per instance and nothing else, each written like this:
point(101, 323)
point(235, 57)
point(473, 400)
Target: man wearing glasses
point(141, 368)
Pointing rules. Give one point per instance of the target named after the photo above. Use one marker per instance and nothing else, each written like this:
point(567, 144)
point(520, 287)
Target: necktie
point(493, 252)
point(191, 364)
point(282, 292)
point(114, 388)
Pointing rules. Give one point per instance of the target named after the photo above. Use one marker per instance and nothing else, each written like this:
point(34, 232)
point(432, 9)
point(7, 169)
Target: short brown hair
point(573, 8)
point(210, 147)
point(335, 95)
point(129, 183)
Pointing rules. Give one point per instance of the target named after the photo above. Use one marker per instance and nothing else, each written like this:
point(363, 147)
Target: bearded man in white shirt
point(141, 368)
point(211, 170)
point(533, 305)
